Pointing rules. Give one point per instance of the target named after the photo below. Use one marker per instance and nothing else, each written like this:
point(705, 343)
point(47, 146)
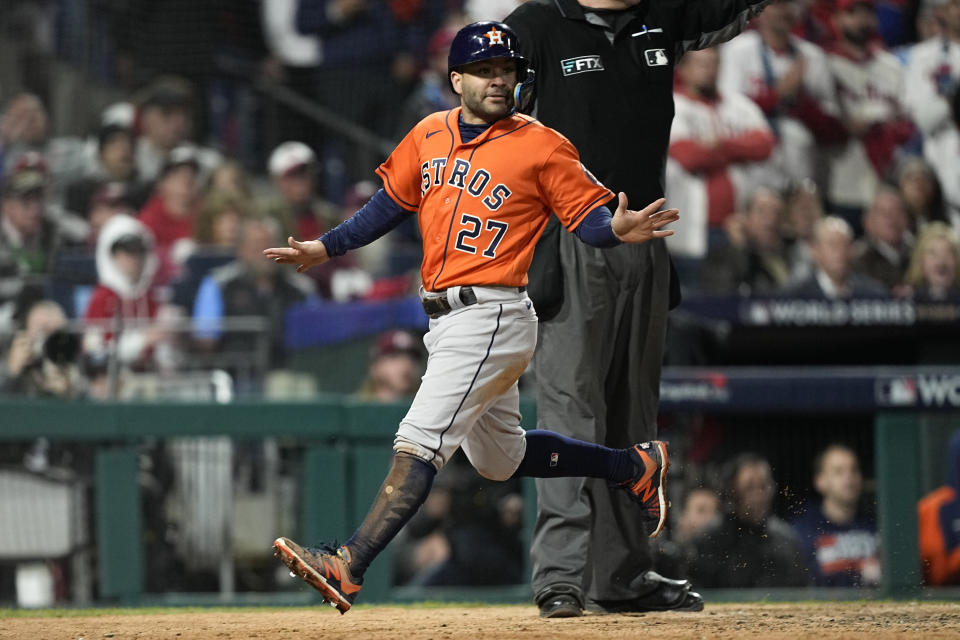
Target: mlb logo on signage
point(896, 392)
point(573, 66)
point(656, 57)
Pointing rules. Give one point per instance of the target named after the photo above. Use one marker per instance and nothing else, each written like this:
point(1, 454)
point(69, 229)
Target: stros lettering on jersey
point(483, 204)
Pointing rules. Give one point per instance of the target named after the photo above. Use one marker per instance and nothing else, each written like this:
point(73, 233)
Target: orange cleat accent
point(326, 569)
point(649, 488)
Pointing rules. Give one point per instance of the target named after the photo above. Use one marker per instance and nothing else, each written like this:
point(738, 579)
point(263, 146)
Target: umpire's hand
point(303, 254)
point(640, 226)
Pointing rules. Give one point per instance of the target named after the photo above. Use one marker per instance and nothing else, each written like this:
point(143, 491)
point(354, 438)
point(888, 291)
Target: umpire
point(604, 78)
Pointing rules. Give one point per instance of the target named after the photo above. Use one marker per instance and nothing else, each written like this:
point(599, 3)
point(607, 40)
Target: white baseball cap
point(289, 156)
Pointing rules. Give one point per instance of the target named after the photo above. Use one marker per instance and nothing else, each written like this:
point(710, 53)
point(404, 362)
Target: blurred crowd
point(816, 155)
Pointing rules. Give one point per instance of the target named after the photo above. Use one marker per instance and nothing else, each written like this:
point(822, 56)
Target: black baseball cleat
point(649, 486)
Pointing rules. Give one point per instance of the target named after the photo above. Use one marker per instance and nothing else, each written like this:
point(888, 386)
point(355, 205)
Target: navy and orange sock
point(551, 455)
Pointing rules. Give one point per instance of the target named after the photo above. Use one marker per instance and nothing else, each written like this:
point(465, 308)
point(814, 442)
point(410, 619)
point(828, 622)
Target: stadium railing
point(347, 445)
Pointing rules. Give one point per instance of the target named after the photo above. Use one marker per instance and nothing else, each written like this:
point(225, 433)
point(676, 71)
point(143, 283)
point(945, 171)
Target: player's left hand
point(640, 226)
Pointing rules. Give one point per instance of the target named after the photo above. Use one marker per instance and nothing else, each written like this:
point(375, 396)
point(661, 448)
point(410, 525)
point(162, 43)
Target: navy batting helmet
point(484, 41)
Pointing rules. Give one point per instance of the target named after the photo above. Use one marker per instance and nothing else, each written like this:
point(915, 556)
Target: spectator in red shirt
point(172, 210)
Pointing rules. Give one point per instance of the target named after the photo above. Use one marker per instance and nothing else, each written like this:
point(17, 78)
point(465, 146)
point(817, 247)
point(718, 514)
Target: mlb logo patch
point(554, 459)
point(656, 57)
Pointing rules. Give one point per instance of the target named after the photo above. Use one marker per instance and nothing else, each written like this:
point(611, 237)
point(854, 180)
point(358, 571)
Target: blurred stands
point(208, 120)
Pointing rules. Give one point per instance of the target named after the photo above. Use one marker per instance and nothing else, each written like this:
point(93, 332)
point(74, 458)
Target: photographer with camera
point(43, 356)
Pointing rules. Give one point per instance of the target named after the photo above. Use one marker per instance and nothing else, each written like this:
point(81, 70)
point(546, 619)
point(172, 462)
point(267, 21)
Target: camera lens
point(62, 347)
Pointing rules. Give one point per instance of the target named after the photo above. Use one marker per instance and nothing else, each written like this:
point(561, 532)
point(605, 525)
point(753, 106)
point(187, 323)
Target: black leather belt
point(438, 305)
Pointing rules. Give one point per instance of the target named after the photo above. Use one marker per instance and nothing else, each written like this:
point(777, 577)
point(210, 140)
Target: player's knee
point(417, 452)
point(497, 473)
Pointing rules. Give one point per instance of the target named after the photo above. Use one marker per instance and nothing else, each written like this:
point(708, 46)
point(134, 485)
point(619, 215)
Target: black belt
point(438, 305)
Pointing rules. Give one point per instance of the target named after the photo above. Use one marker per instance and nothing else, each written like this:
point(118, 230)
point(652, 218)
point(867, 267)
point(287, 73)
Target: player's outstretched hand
point(640, 226)
point(303, 254)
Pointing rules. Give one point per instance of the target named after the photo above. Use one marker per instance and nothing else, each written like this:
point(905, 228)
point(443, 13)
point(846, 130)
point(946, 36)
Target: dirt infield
point(820, 620)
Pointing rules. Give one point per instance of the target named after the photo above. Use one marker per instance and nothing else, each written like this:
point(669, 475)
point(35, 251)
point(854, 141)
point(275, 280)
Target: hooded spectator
point(124, 304)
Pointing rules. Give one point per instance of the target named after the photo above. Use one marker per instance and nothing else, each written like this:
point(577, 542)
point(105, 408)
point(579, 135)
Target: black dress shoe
point(654, 593)
point(562, 605)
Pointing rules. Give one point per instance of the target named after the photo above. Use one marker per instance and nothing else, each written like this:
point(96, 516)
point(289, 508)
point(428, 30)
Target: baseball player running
point(483, 181)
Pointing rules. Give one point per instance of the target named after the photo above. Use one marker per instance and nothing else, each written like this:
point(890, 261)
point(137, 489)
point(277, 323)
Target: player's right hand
point(303, 254)
point(639, 226)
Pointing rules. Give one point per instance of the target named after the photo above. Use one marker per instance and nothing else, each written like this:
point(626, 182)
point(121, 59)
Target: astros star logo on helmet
point(496, 36)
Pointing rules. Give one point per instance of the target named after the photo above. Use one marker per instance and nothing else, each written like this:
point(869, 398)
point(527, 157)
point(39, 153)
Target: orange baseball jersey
point(482, 205)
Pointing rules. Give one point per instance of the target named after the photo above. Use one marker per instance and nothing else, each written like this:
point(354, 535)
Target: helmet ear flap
point(524, 94)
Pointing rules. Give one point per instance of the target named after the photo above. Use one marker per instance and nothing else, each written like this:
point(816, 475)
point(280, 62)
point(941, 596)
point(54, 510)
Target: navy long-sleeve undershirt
point(381, 214)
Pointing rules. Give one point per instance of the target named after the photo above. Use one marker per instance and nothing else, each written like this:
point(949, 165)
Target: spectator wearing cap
point(248, 287)
point(296, 207)
point(293, 171)
point(932, 81)
point(30, 232)
point(171, 211)
point(25, 127)
point(869, 83)
point(396, 366)
point(787, 77)
point(833, 277)
point(883, 252)
point(124, 303)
